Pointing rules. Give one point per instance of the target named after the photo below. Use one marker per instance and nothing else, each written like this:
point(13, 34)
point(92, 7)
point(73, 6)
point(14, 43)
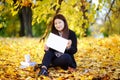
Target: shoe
point(43, 71)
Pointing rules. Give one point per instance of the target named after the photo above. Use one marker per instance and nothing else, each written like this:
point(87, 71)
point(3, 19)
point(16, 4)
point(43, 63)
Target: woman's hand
point(69, 44)
point(46, 48)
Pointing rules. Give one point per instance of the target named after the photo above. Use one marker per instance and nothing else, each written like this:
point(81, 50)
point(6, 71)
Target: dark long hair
point(65, 30)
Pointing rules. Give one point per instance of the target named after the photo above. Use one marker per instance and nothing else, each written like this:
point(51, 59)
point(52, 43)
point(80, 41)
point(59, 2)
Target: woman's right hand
point(46, 48)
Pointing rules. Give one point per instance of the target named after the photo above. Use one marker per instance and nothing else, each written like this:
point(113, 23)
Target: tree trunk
point(25, 15)
point(22, 33)
point(84, 16)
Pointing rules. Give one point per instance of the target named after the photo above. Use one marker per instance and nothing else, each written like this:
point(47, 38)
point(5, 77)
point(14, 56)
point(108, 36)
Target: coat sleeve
point(73, 48)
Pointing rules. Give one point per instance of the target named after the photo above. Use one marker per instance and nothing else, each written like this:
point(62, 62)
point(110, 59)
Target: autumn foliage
point(97, 59)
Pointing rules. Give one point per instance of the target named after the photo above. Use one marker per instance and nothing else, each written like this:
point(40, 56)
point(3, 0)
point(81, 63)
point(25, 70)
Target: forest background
point(24, 25)
point(33, 18)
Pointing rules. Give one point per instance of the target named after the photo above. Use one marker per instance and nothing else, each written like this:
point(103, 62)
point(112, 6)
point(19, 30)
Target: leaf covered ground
point(97, 59)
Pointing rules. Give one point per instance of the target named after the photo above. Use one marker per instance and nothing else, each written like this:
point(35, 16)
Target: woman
point(52, 57)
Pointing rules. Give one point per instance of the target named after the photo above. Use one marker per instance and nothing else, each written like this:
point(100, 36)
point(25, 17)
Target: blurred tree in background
point(80, 14)
point(112, 18)
point(25, 16)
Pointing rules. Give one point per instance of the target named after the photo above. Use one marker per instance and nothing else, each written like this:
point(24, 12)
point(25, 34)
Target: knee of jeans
point(67, 57)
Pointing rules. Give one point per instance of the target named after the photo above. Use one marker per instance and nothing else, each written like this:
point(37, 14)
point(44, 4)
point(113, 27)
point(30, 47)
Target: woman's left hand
point(69, 44)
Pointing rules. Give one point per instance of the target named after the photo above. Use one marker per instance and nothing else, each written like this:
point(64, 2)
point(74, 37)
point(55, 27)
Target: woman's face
point(59, 24)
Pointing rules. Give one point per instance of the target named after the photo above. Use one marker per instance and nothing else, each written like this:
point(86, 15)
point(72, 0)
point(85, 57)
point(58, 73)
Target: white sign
point(56, 42)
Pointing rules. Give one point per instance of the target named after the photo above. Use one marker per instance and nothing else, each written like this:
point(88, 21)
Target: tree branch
point(49, 25)
point(109, 9)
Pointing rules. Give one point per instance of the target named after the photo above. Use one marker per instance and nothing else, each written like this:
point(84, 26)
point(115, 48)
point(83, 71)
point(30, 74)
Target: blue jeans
point(64, 61)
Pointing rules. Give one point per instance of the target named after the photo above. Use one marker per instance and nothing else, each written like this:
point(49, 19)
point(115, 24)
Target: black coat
point(73, 49)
